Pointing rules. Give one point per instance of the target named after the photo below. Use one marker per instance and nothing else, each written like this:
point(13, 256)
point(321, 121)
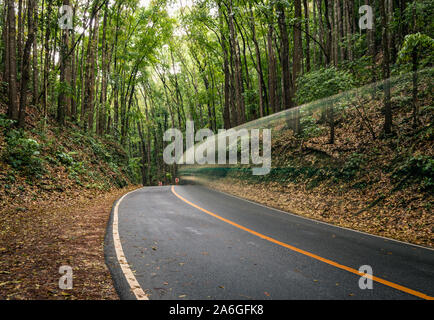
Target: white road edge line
point(128, 273)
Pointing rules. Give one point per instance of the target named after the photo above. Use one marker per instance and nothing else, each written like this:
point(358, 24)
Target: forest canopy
point(129, 70)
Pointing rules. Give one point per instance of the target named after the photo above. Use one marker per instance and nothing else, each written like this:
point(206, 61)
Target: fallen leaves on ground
point(387, 220)
point(38, 240)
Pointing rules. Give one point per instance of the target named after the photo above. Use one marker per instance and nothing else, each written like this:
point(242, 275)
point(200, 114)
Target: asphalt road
point(190, 242)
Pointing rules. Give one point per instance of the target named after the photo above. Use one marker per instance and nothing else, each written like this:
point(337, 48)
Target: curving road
point(190, 242)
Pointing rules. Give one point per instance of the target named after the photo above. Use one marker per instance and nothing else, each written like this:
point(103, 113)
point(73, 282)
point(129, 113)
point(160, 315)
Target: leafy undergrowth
point(37, 240)
point(57, 187)
point(364, 180)
point(45, 162)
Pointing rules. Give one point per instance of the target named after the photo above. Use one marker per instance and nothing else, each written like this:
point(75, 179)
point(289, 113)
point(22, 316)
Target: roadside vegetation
point(363, 180)
point(87, 93)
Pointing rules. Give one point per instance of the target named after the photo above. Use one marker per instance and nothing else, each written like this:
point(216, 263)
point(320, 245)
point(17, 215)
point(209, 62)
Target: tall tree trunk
point(148, 149)
point(12, 57)
point(238, 84)
point(414, 57)
point(116, 82)
point(20, 35)
point(335, 31)
point(306, 27)
point(340, 29)
point(227, 88)
point(5, 47)
point(74, 63)
point(89, 99)
point(348, 15)
point(64, 101)
point(297, 61)
point(392, 46)
point(46, 62)
point(372, 49)
point(386, 69)
point(261, 82)
point(272, 73)
point(35, 78)
point(104, 66)
point(26, 62)
point(328, 16)
point(298, 45)
point(284, 58)
point(83, 79)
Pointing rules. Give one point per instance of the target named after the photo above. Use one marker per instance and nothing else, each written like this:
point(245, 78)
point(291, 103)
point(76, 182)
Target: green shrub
point(351, 167)
point(23, 153)
point(322, 83)
point(65, 158)
point(309, 127)
point(417, 49)
point(417, 166)
point(420, 168)
point(5, 123)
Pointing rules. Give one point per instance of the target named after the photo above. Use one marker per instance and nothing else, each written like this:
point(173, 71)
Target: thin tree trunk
point(240, 107)
point(74, 63)
point(329, 31)
point(306, 26)
point(272, 76)
point(392, 46)
point(5, 53)
point(26, 63)
point(89, 99)
point(386, 69)
point(12, 58)
point(46, 63)
point(20, 35)
point(415, 89)
point(335, 32)
point(258, 64)
point(298, 46)
point(64, 105)
point(104, 67)
point(284, 58)
point(227, 87)
point(35, 79)
point(348, 15)
point(340, 29)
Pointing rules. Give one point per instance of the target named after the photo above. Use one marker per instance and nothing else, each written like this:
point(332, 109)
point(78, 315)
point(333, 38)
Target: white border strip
point(128, 273)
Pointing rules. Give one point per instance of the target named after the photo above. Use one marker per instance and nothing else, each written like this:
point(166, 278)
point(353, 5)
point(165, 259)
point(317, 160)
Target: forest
point(88, 89)
point(129, 70)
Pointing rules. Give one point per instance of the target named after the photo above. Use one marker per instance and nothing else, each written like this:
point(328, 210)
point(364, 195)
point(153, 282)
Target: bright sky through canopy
point(172, 6)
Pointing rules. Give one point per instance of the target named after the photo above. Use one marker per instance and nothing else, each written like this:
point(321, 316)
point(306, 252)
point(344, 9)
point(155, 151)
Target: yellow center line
point(306, 253)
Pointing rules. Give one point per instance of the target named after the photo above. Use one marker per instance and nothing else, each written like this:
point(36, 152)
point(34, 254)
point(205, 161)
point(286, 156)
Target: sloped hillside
point(45, 162)
point(364, 180)
point(57, 187)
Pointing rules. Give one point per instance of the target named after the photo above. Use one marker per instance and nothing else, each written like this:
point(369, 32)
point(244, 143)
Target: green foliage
point(322, 83)
point(423, 10)
point(420, 45)
point(420, 168)
point(99, 150)
point(134, 169)
point(5, 123)
point(351, 167)
point(23, 154)
point(309, 127)
point(65, 158)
